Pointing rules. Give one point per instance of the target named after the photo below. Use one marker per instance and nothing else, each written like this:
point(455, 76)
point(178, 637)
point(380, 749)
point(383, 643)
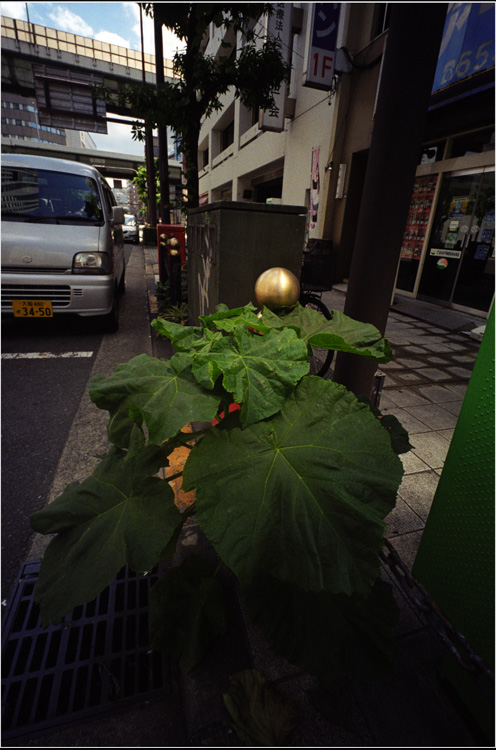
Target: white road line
point(46, 355)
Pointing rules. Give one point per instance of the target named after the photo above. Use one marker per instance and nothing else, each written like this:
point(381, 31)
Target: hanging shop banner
point(314, 188)
point(467, 46)
point(278, 27)
point(321, 46)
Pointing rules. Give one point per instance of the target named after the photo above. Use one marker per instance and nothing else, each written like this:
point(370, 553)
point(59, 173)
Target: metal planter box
point(231, 243)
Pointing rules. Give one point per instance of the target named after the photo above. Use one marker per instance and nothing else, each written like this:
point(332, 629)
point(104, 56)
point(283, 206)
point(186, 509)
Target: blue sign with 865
point(468, 43)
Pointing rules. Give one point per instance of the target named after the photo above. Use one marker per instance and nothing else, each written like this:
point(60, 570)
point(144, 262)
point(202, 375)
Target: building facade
point(20, 121)
point(315, 155)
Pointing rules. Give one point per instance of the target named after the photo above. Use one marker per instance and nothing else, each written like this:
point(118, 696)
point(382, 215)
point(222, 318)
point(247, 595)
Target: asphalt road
point(42, 395)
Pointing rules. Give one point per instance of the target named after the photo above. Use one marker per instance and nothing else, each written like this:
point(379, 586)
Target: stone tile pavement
point(423, 387)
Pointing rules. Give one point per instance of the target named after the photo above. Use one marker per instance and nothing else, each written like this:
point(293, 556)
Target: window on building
point(473, 143)
point(227, 136)
point(381, 19)
point(432, 152)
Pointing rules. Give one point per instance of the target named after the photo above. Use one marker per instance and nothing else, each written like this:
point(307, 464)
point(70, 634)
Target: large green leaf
point(120, 515)
point(301, 495)
point(226, 320)
point(259, 713)
point(341, 333)
point(164, 393)
point(186, 338)
point(329, 635)
point(188, 611)
point(260, 371)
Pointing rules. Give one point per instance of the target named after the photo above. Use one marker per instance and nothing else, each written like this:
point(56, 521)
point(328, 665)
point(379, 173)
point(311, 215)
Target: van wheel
point(111, 320)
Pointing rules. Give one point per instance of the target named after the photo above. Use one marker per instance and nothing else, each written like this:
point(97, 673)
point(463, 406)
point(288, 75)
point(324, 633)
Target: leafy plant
point(293, 478)
point(141, 181)
point(259, 714)
point(168, 311)
point(176, 313)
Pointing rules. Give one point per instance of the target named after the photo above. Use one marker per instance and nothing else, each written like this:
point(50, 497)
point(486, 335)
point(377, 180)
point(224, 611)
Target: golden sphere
point(277, 287)
point(174, 242)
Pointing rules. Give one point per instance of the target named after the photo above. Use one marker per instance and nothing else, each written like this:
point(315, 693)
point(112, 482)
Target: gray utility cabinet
point(231, 243)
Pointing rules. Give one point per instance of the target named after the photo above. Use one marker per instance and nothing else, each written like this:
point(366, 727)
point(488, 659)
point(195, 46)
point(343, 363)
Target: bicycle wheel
point(321, 359)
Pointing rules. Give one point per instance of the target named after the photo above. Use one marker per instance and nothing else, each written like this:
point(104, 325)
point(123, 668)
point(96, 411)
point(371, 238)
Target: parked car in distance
point(62, 240)
point(130, 228)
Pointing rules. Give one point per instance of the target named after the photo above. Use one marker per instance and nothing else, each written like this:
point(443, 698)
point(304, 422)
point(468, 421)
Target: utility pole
point(409, 65)
point(149, 159)
point(163, 155)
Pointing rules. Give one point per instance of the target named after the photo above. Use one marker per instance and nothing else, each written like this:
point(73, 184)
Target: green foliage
point(331, 636)
point(291, 489)
point(297, 479)
point(196, 608)
point(162, 394)
point(120, 515)
point(168, 311)
point(259, 714)
point(141, 181)
point(176, 313)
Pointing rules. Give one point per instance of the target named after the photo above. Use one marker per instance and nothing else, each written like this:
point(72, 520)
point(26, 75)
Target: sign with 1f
point(321, 46)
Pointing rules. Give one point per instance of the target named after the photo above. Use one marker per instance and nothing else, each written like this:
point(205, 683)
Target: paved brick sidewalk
point(424, 387)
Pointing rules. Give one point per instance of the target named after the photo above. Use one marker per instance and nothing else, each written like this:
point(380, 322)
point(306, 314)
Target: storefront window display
point(415, 231)
point(459, 263)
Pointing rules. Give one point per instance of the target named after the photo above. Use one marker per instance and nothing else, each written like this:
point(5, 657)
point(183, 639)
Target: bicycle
point(317, 276)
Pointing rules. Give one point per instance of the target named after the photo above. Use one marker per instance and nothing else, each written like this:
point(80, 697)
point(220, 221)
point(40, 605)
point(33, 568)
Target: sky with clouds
point(113, 22)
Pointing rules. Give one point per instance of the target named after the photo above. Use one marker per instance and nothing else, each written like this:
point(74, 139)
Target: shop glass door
point(459, 264)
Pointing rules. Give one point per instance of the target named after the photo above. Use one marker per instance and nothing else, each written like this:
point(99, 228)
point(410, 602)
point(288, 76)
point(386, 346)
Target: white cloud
point(170, 41)
point(14, 10)
point(118, 139)
point(66, 20)
point(111, 38)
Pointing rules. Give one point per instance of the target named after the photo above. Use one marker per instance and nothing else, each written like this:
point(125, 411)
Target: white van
point(62, 240)
point(130, 228)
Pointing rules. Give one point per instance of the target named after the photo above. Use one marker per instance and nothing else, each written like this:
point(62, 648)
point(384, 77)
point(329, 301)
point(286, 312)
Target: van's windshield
point(43, 196)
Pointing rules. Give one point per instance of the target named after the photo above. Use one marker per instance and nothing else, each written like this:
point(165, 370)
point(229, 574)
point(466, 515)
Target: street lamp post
point(163, 156)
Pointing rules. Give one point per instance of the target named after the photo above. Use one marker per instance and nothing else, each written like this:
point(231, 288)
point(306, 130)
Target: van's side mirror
point(117, 215)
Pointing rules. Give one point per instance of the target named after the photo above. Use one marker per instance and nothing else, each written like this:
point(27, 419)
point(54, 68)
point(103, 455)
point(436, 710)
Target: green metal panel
point(455, 560)
point(230, 243)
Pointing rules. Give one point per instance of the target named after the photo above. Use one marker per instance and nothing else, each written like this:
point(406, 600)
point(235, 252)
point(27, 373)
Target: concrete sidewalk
point(424, 387)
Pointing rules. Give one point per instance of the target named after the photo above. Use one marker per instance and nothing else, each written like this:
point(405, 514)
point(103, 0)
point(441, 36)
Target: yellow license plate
point(32, 308)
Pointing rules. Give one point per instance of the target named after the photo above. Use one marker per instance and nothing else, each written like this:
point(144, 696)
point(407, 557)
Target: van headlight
point(91, 263)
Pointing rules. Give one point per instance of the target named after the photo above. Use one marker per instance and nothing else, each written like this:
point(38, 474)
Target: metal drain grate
point(97, 659)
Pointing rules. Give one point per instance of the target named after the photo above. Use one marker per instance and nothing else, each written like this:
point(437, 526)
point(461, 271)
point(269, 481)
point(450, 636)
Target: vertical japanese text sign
point(279, 27)
point(321, 46)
